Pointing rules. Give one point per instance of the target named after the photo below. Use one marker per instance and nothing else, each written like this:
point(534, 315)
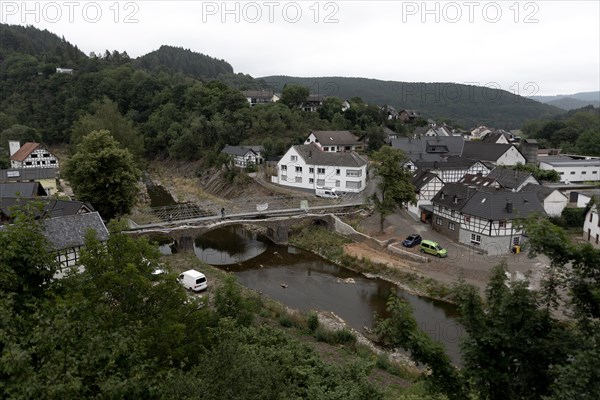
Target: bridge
point(277, 214)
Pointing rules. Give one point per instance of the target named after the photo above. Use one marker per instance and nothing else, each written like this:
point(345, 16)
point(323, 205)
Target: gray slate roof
point(540, 190)
point(27, 174)
point(313, 155)
point(422, 178)
point(453, 195)
point(67, 232)
point(443, 163)
point(478, 180)
point(492, 205)
point(21, 189)
point(509, 178)
point(51, 208)
point(485, 151)
point(430, 148)
point(241, 150)
point(493, 137)
point(335, 138)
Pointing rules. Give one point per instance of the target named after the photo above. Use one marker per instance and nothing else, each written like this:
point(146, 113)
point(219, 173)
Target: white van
point(193, 280)
point(326, 192)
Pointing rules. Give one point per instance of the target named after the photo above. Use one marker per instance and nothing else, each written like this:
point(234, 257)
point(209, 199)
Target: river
point(304, 281)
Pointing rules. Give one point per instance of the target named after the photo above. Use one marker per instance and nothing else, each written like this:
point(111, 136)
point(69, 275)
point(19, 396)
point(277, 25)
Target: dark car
point(412, 240)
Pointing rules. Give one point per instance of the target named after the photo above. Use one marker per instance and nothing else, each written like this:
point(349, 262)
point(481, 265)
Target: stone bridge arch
point(278, 228)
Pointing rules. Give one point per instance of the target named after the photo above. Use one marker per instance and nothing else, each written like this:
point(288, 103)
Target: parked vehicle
point(412, 240)
point(330, 193)
point(193, 280)
point(433, 248)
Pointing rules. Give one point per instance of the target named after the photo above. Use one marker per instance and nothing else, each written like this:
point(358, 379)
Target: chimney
point(310, 154)
point(509, 206)
point(14, 146)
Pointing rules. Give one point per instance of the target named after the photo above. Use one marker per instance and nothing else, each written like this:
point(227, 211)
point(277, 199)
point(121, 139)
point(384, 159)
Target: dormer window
point(443, 196)
point(455, 200)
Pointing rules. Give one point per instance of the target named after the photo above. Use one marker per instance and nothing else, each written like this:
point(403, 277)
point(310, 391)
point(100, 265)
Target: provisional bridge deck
point(206, 213)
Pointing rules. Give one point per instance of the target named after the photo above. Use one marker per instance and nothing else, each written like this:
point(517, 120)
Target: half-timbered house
point(427, 185)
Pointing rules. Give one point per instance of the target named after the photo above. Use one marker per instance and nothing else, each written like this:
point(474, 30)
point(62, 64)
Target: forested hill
point(177, 59)
point(464, 104)
point(40, 44)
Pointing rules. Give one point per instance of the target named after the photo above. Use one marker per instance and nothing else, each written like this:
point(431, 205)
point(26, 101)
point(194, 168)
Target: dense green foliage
point(395, 182)
point(465, 105)
point(577, 131)
point(542, 175)
point(176, 59)
point(104, 174)
point(516, 347)
point(117, 331)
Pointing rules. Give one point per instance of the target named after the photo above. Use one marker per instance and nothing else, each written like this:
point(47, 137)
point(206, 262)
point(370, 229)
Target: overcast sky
point(535, 47)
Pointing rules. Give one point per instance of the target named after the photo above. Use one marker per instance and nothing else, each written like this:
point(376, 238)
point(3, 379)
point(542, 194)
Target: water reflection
point(313, 283)
point(230, 245)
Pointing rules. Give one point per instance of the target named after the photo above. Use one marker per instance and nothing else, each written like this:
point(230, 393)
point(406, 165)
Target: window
point(572, 172)
point(34, 155)
point(311, 170)
point(337, 171)
point(298, 179)
point(311, 180)
point(443, 196)
point(594, 172)
point(298, 169)
point(452, 213)
point(325, 148)
point(438, 221)
point(46, 155)
point(52, 161)
point(353, 172)
point(591, 216)
point(320, 182)
point(337, 183)
point(284, 178)
point(475, 239)
point(284, 167)
point(502, 224)
point(294, 158)
point(562, 173)
point(516, 240)
point(451, 226)
point(467, 219)
point(320, 170)
point(583, 172)
point(353, 185)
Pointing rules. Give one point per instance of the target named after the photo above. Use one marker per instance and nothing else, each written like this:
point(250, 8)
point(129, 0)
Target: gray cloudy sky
point(528, 47)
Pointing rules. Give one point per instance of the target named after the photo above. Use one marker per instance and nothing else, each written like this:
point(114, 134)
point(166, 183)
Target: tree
point(103, 173)
point(395, 185)
point(400, 329)
point(512, 344)
point(588, 143)
point(294, 95)
point(376, 138)
point(106, 116)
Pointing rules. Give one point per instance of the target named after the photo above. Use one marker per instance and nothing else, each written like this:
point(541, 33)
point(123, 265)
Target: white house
point(256, 97)
point(480, 132)
point(31, 155)
point(488, 219)
point(498, 154)
point(453, 168)
point(427, 185)
point(591, 227)
point(512, 179)
point(438, 131)
point(498, 137)
point(553, 200)
point(68, 71)
point(573, 168)
point(243, 156)
point(66, 235)
point(334, 141)
point(308, 167)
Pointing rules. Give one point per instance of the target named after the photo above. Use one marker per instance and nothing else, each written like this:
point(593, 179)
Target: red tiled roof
point(24, 151)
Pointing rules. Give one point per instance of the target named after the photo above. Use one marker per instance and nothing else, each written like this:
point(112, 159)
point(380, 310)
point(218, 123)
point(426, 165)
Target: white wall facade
point(575, 173)
point(555, 203)
point(511, 157)
point(293, 171)
point(329, 148)
point(39, 158)
point(426, 193)
point(591, 227)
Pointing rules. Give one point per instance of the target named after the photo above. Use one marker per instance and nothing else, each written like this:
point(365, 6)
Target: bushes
point(341, 336)
point(570, 218)
point(312, 321)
